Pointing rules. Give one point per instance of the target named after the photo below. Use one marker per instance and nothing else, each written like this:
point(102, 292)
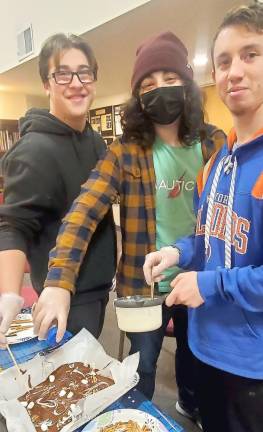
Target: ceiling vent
point(25, 46)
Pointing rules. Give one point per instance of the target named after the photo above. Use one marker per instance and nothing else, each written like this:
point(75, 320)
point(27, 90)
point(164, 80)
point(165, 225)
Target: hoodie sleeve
point(29, 197)
point(89, 208)
point(185, 245)
point(100, 145)
point(241, 286)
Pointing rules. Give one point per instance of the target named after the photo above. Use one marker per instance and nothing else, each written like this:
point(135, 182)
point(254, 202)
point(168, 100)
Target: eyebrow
point(151, 76)
point(244, 48)
point(251, 46)
point(85, 66)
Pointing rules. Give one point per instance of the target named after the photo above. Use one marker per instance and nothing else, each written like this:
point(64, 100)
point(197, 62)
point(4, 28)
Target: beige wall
point(14, 105)
point(113, 100)
point(37, 101)
point(216, 112)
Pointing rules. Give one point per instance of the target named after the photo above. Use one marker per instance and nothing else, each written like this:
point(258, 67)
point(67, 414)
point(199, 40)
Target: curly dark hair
point(139, 128)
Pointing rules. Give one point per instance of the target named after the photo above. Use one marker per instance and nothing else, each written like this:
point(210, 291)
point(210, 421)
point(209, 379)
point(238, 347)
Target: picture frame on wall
point(107, 121)
point(101, 120)
point(117, 114)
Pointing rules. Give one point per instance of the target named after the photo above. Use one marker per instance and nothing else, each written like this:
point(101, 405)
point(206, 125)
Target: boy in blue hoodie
point(223, 282)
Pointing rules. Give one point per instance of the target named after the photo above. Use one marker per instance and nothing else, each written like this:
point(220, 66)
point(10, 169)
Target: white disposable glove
point(156, 262)
point(10, 306)
point(52, 308)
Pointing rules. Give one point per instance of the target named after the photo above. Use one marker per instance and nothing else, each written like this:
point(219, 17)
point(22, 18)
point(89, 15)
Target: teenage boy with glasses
point(43, 174)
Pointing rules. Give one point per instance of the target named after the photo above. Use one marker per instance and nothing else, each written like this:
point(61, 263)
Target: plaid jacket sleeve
point(89, 208)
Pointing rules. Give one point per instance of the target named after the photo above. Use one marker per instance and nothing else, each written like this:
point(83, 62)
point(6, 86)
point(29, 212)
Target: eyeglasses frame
point(53, 75)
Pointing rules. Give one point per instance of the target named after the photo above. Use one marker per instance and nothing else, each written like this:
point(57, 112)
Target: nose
point(236, 70)
point(160, 82)
point(76, 81)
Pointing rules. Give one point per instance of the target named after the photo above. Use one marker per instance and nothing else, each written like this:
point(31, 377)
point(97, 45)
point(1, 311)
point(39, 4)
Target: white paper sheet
point(82, 348)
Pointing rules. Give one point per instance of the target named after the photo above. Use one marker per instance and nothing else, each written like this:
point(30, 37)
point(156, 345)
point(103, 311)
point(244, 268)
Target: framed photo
point(117, 113)
point(101, 121)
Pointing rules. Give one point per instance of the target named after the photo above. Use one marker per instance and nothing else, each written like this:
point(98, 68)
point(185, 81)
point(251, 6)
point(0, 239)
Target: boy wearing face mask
point(153, 170)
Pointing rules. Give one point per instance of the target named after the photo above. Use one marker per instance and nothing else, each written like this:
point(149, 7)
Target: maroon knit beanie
point(162, 52)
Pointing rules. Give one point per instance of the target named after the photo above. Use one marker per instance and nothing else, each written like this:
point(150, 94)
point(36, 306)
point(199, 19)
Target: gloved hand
point(156, 262)
point(10, 306)
point(52, 308)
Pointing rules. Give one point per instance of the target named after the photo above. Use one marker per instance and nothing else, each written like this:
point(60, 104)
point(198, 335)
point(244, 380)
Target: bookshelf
point(8, 136)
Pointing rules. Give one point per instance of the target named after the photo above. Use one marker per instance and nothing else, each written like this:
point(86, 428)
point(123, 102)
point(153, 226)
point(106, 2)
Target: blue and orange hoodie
point(227, 330)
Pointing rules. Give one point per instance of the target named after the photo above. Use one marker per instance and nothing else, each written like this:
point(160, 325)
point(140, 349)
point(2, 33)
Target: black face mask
point(164, 104)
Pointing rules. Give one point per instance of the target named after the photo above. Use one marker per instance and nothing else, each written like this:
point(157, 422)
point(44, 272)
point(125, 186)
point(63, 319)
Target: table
point(133, 399)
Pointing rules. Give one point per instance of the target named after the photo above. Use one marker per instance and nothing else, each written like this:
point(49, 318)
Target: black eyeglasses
point(85, 76)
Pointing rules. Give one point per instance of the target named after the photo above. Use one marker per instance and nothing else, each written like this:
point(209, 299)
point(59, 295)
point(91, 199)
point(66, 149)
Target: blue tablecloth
point(27, 350)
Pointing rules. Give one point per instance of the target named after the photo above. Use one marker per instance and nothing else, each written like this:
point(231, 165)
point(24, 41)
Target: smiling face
point(70, 102)
point(238, 70)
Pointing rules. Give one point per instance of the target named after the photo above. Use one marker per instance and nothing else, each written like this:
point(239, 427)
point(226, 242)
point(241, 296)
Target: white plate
point(123, 415)
point(25, 327)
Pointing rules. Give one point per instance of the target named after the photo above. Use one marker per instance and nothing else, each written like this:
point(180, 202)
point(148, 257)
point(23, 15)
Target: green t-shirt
point(176, 169)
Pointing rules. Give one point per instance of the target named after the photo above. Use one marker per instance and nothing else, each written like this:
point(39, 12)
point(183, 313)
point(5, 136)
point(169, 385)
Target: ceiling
point(115, 42)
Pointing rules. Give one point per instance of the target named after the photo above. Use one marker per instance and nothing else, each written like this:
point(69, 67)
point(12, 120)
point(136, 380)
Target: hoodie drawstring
point(228, 165)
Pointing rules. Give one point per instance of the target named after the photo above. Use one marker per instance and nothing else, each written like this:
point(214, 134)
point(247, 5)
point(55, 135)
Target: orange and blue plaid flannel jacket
point(126, 170)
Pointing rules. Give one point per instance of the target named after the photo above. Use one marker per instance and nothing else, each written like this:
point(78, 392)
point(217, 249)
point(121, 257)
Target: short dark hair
point(58, 43)
point(250, 17)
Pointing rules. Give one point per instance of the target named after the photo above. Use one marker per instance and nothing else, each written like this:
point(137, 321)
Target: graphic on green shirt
point(176, 169)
